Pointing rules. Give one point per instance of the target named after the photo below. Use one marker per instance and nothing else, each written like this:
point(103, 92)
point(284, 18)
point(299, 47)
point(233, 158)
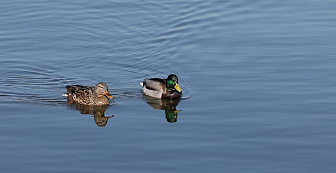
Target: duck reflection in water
point(169, 106)
point(98, 113)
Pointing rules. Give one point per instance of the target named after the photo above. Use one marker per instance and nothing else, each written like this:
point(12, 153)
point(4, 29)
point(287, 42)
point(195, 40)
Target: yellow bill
point(177, 87)
point(177, 111)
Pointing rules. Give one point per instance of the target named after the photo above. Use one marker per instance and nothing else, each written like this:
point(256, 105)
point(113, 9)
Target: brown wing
point(80, 94)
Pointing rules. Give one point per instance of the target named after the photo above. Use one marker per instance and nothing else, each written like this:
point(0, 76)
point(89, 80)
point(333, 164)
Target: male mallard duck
point(89, 95)
point(162, 88)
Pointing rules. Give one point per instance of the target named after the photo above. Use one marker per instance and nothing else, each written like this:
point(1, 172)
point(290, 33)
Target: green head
point(172, 83)
point(171, 114)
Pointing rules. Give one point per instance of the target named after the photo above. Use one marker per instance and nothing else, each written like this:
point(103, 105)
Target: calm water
point(258, 79)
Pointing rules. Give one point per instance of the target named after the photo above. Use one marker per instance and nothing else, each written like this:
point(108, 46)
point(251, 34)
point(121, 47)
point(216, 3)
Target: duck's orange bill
point(108, 95)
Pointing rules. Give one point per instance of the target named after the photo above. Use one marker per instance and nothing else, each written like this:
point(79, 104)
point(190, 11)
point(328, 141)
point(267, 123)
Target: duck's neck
point(102, 100)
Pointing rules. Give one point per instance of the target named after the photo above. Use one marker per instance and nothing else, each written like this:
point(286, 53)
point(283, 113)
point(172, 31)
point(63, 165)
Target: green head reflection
point(169, 106)
point(171, 114)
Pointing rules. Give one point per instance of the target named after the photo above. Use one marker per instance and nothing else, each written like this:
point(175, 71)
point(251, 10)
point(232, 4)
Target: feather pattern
point(88, 95)
point(156, 87)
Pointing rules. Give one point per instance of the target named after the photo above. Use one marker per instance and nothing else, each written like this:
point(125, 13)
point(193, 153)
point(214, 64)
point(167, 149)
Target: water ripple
point(120, 47)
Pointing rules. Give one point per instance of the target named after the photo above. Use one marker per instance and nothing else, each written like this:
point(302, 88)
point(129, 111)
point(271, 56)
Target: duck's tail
point(65, 95)
point(141, 83)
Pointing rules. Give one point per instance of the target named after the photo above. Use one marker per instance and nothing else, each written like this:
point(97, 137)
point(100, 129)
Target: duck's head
point(101, 89)
point(172, 83)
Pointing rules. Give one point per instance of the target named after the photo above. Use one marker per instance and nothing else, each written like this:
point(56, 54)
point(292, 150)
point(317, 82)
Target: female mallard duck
point(162, 88)
point(89, 95)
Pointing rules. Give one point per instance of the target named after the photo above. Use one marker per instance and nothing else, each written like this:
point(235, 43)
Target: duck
point(162, 88)
point(98, 95)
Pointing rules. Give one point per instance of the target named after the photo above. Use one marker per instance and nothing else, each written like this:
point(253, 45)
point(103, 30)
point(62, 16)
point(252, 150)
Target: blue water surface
point(257, 77)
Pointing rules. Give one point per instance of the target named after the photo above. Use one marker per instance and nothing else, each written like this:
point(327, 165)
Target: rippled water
point(257, 77)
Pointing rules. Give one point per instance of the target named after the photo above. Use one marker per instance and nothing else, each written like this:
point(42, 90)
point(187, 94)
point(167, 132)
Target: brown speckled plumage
point(89, 95)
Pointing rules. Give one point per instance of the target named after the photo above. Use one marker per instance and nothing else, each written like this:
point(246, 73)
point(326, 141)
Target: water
point(257, 77)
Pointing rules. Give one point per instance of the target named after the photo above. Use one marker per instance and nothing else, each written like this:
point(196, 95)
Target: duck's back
point(154, 87)
point(81, 94)
point(154, 83)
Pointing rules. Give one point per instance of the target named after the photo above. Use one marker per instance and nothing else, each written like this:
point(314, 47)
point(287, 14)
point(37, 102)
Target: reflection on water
point(169, 106)
point(262, 72)
point(98, 113)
